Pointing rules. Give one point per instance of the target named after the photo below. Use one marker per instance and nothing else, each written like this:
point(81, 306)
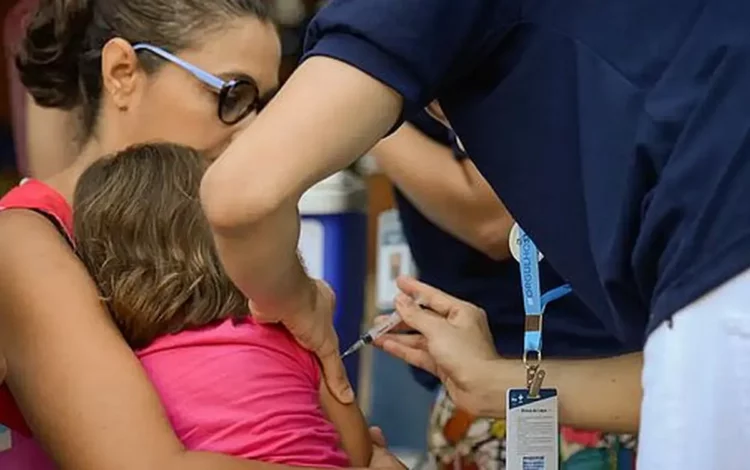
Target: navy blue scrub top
point(570, 328)
point(616, 132)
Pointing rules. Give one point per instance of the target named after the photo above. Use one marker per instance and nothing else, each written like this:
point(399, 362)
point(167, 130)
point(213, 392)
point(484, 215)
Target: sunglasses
point(237, 97)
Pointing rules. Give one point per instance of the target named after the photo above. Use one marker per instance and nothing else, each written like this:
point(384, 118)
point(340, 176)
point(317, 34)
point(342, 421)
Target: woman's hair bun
point(49, 53)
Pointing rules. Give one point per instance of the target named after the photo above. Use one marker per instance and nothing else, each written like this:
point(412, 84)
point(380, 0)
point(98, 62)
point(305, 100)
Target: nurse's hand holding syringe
point(381, 328)
point(374, 333)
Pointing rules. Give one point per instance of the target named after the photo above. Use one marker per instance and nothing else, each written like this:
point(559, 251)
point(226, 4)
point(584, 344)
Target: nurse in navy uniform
point(458, 233)
point(616, 133)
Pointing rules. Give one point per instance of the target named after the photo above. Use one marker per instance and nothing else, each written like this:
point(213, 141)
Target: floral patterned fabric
point(458, 441)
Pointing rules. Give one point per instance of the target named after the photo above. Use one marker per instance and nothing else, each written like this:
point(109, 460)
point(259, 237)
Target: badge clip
point(534, 373)
point(536, 383)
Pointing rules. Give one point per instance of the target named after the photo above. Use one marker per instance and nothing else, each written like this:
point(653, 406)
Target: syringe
point(373, 333)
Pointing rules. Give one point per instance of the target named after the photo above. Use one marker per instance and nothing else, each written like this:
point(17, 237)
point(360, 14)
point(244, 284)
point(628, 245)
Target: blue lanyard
point(534, 302)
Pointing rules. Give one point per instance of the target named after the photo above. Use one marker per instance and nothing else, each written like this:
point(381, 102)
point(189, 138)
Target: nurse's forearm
point(450, 193)
point(325, 116)
point(602, 394)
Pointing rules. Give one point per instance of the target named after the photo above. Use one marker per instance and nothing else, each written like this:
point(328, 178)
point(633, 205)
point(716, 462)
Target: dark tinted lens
point(237, 101)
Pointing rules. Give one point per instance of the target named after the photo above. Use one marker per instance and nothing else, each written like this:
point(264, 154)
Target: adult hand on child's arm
point(314, 330)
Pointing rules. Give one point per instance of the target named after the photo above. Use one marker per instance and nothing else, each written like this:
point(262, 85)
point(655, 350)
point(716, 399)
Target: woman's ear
point(121, 72)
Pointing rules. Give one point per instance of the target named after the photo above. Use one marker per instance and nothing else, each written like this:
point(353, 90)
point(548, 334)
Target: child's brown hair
point(142, 235)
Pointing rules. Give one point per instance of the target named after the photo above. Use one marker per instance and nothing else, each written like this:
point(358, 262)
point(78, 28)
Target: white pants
point(696, 385)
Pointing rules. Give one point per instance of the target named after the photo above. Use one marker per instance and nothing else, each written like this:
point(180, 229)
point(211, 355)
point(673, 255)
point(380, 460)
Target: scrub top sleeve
point(431, 127)
point(457, 147)
point(436, 131)
point(416, 47)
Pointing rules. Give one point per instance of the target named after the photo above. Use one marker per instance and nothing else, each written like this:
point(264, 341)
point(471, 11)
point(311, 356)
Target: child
point(228, 384)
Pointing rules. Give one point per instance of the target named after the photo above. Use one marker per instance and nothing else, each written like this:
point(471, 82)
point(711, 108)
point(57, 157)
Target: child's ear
point(351, 426)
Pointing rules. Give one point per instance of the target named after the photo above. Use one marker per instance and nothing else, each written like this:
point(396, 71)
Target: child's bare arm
point(351, 426)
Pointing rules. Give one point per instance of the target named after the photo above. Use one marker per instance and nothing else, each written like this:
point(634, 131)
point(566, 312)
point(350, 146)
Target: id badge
point(532, 430)
point(393, 260)
point(5, 440)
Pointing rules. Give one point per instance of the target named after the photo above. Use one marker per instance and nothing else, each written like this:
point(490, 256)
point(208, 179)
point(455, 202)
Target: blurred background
point(339, 239)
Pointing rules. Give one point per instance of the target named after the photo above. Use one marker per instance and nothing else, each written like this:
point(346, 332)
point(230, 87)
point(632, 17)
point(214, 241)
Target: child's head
point(141, 233)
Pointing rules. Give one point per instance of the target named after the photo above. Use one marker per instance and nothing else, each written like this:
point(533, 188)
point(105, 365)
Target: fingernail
point(348, 394)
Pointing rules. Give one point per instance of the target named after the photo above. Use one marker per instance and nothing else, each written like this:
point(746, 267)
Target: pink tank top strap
point(41, 198)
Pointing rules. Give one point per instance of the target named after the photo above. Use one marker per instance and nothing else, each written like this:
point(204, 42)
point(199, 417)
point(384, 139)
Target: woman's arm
point(80, 387)
point(451, 193)
point(351, 426)
point(250, 193)
point(455, 345)
point(345, 96)
point(602, 393)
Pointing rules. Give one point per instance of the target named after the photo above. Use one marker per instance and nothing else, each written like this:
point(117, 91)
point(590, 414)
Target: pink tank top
point(244, 389)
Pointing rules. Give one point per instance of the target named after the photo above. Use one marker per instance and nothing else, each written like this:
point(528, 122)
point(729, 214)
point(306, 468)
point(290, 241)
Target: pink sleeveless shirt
point(246, 390)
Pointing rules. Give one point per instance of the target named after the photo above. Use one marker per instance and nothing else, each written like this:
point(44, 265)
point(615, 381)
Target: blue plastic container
point(333, 245)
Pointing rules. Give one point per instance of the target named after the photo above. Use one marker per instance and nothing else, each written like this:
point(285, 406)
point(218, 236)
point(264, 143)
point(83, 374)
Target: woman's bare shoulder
point(34, 256)
point(55, 330)
point(42, 283)
point(17, 225)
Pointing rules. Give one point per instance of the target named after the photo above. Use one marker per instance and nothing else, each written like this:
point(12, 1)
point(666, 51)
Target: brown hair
point(142, 235)
point(60, 57)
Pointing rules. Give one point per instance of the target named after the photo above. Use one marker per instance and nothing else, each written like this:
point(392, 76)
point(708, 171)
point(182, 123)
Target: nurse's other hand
point(453, 342)
point(3, 369)
point(381, 458)
point(314, 330)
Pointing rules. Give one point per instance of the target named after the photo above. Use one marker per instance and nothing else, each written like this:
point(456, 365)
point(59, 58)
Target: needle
point(373, 333)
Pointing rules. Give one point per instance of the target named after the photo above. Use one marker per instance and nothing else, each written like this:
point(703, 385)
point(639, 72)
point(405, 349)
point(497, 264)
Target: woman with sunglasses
point(615, 132)
point(191, 72)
